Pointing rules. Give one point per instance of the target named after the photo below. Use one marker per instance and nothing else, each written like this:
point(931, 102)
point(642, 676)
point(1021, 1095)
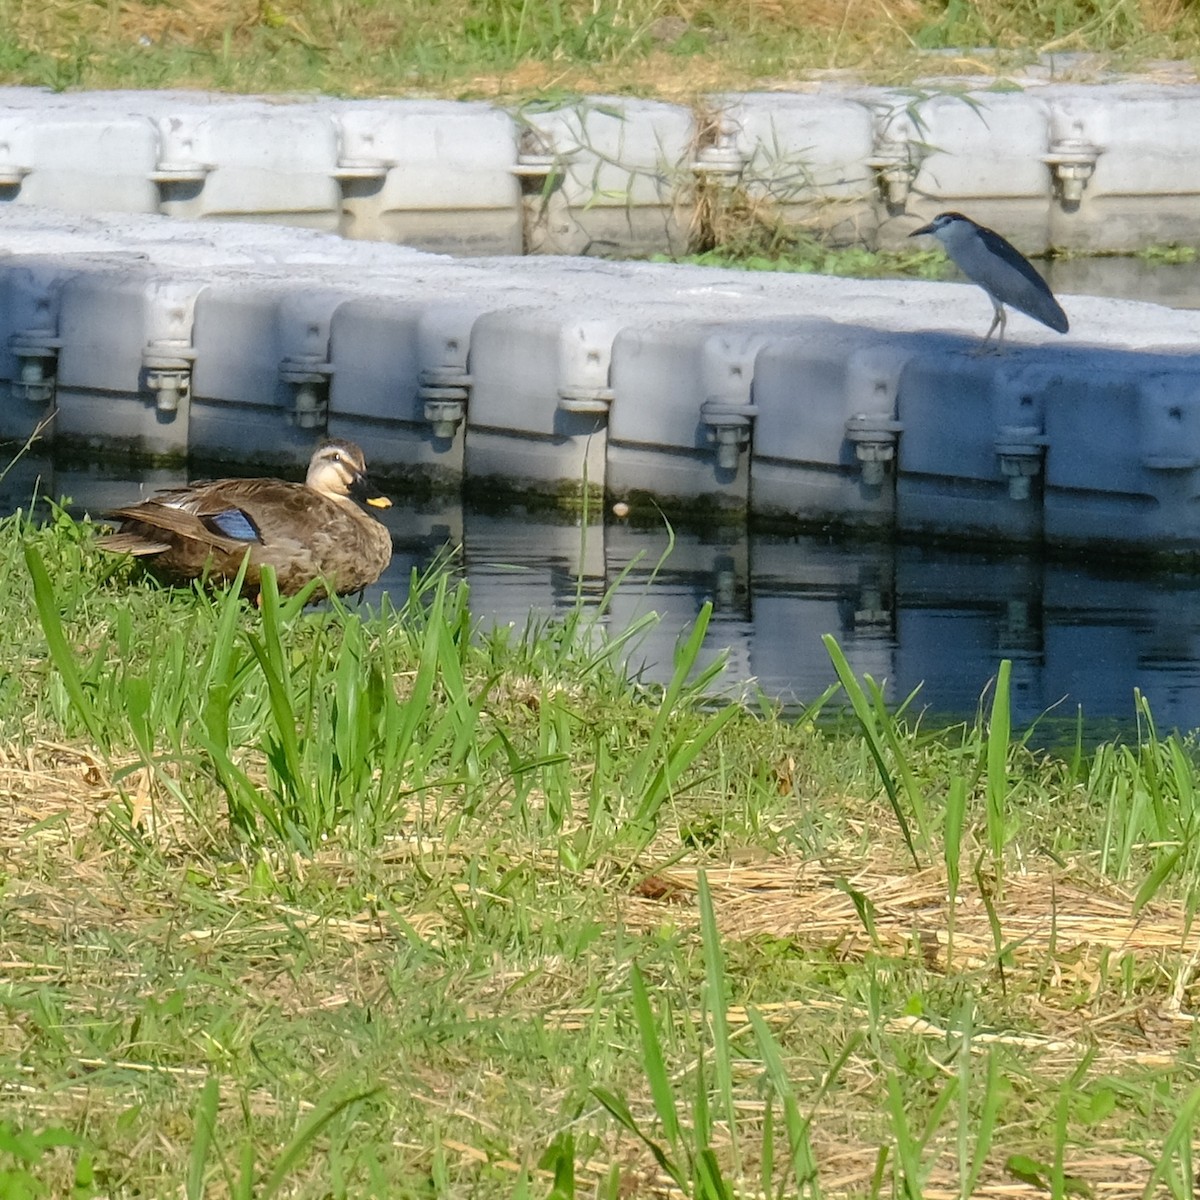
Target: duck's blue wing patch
point(233, 523)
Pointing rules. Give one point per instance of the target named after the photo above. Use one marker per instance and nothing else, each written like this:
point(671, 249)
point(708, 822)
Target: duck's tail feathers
point(132, 543)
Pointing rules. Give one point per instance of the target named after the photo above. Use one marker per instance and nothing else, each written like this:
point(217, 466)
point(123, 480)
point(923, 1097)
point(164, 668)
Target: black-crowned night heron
point(999, 268)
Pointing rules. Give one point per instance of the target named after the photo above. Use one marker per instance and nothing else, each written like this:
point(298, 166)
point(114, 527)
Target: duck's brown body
point(306, 531)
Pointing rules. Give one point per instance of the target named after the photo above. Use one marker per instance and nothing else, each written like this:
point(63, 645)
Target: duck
point(315, 530)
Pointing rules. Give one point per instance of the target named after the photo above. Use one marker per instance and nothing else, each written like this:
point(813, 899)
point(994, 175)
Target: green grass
point(514, 48)
point(1168, 256)
point(344, 903)
point(775, 247)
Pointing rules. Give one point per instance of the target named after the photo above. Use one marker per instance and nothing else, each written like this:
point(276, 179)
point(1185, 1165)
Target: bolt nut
point(445, 416)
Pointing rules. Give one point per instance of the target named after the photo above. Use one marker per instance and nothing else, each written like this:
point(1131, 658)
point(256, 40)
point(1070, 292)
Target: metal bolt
point(308, 405)
point(169, 388)
point(445, 416)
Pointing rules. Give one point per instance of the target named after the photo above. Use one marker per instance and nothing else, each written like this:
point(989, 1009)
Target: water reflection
point(1078, 634)
point(1127, 277)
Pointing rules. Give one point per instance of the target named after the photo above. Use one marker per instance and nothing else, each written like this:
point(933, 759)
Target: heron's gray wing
point(1024, 289)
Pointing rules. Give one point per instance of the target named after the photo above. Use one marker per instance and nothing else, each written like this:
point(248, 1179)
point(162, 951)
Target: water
point(1079, 634)
point(1176, 285)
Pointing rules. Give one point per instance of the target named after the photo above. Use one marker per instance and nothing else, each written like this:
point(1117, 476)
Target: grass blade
point(60, 651)
point(302, 1142)
point(1178, 1141)
point(998, 739)
point(202, 1137)
point(801, 1159)
point(685, 659)
point(653, 1061)
point(716, 1004)
point(866, 721)
point(618, 1109)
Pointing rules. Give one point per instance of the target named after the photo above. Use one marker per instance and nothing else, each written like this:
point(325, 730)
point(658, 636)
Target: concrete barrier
point(808, 400)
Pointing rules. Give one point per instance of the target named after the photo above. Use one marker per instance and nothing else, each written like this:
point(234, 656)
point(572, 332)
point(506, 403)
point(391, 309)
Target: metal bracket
point(308, 376)
point(36, 352)
point(349, 171)
point(729, 424)
point(874, 437)
point(539, 167)
point(893, 165)
point(585, 401)
point(11, 175)
point(720, 161)
point(1020, 449)
point(168, 365)
point(1072, 160)
point(444, 392)
point(896, 154)
point(534, 166)
point(177, 161)
point(1170, 462)
point(167, 173)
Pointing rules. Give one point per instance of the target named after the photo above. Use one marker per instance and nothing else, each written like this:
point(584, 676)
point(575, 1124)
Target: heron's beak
point(923, 229)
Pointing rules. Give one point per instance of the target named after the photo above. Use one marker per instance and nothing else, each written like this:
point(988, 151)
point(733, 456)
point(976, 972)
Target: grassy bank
point(513, 48)
point(333, 904)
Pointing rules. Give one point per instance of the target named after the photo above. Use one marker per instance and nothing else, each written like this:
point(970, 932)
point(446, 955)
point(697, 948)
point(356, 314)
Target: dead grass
point(302, 958)
point(1115, 1174)
point(1064, 935)
point(1045, 910)
point(187, 22)
point(676, 51)
point(56, 801)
